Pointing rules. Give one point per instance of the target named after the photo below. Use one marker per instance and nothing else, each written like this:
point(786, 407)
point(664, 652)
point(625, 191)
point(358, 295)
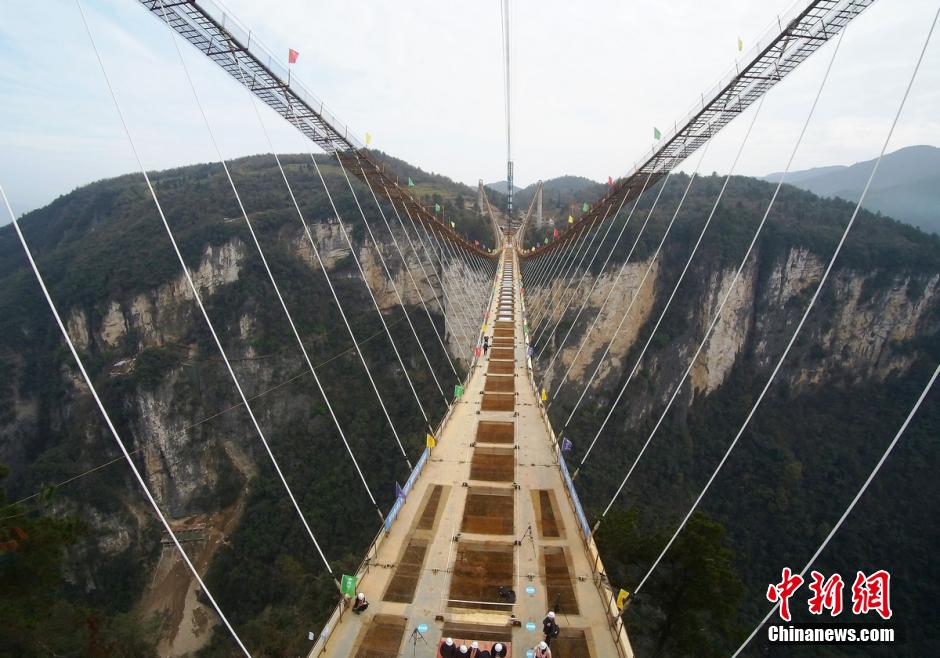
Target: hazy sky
point(591, 79)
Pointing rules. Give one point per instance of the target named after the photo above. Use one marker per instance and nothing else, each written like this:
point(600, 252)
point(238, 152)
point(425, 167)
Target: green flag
point(656, 133)
point(437, 207)
point(546, 240)
point(584, 207)
point(458, 391)
point(348, 585)
point(411, 183)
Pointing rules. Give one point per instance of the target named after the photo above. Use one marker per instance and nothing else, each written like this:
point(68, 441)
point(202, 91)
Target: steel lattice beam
point(795, 40)
point(221, 38)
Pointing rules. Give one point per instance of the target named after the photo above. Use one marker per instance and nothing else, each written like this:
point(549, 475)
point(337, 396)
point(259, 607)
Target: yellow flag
point(430, 441)
point(740, 44)
point(622, 598)
point(544, 395)
point(368, 138)
point(484, 328)
point(570, 219)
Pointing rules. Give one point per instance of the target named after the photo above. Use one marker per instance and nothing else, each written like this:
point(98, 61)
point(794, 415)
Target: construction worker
point(360, 603)
point(448, 650)
point(463, 650)
point(499, 651)
point(486, 345)
point(549, 627)
point(542, 650)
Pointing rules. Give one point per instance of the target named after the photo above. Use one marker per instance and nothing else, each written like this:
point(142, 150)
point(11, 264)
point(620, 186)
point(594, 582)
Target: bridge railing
point(766, 38)
point(604, 588)
point(275, 65)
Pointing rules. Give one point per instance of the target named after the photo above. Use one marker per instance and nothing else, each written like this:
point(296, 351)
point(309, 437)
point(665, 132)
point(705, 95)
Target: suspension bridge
point(488, 532)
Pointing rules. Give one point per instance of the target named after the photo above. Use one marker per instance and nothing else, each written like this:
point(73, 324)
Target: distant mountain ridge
point(906, 187)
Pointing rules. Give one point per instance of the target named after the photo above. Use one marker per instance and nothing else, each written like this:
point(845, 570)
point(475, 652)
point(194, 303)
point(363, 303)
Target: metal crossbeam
point(773, 59)
point(221, 38)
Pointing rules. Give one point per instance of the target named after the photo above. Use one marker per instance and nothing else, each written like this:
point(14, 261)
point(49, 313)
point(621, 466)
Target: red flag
point(292, 56)
point(555, 234)
point(610, 181)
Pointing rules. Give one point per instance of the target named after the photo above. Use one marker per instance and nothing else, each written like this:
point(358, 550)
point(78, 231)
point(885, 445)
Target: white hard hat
point(463, 648)
point(498, 646)
point(449, 641)
point(474, 645)
point(361, 596)
point(543, 646)
point(551, 615)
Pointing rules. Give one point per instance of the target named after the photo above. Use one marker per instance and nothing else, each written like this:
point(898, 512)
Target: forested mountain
point(112, 588)
point(907, 186)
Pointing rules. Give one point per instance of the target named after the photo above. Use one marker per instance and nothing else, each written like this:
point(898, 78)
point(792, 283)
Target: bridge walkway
point(490, 509)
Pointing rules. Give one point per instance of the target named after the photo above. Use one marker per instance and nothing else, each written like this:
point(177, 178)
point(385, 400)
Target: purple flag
point(566, 444)
point(398, 492)
point(529, 352)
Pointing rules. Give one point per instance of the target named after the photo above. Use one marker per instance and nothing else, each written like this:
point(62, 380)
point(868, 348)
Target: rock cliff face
point(862, 328)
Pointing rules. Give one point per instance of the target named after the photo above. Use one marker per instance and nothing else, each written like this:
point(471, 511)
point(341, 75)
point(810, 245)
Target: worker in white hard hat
point(499, 651)
point(542, 650)
point(549, 627)
point(464, 650)
point(360, 603)
point(448, 649)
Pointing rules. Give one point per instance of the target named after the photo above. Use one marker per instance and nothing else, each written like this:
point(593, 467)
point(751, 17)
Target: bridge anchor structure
point(491, 508)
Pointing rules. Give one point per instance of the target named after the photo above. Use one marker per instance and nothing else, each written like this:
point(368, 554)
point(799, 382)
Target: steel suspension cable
point(195, 291)
point(851, 506)
point(375, 303)
point(446, 264)
point(429, 249)
point(404, 261)
point(557, 268)
point(110, 424)
point(813, 299)
point(626, 261)
point(636, 295)
point(175, 39)
point(546, 312)
point(587, 297)
point(574, 293)
point(388, 273)
point(563, 305)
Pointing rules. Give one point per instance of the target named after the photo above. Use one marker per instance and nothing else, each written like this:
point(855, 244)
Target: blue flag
point(398, 492)
point(566, 444)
